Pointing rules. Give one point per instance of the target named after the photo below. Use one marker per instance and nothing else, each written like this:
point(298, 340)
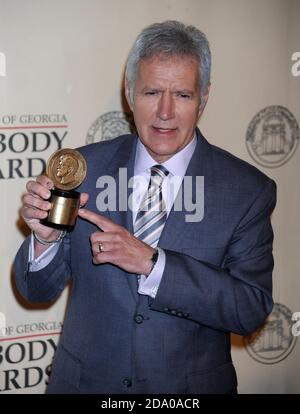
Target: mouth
point(163, 131)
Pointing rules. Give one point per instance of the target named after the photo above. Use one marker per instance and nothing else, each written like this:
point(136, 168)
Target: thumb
point(83, 199)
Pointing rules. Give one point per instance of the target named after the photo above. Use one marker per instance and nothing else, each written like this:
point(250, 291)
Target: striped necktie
point(152, 214)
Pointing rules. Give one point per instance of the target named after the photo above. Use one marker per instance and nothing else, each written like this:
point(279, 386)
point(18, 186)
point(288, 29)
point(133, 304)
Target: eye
point(150, 93)
point(184, 95)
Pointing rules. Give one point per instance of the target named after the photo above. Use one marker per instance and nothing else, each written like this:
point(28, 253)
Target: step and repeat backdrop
point(61, 85)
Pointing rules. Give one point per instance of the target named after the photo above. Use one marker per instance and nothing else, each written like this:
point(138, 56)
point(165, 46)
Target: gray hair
point(170, 38)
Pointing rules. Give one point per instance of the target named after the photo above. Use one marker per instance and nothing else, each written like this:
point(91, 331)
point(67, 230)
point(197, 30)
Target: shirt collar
point(176, 165)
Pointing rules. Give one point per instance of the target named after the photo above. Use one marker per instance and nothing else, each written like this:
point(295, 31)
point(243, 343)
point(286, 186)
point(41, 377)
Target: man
point(154, 294)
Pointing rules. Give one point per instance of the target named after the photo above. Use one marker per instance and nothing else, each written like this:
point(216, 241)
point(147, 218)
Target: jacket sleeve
point(236, 297)
point(46, 284)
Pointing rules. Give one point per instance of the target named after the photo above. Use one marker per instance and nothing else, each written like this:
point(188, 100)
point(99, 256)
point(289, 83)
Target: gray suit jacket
point(217, 280)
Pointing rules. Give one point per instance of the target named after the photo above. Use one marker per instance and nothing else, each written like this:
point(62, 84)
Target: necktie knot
point(159, 170)
point(158, 173)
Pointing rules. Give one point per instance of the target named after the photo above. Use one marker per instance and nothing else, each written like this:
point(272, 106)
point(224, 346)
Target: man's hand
point(35, 208)
point(118, 245)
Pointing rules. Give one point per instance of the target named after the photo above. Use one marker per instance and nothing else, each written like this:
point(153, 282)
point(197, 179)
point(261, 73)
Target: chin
point(162, 153)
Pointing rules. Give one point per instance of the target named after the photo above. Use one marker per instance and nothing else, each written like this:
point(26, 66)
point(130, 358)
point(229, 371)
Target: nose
point(165, 109)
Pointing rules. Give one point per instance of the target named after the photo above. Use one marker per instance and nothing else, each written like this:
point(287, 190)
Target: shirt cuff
point(149, 285)
point(44, 259)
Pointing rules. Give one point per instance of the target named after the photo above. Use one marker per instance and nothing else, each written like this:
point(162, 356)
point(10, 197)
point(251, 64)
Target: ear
point(205, 99)
point(127, 94)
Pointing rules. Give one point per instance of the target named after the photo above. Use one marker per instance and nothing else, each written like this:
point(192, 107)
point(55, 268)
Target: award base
point(64, 209)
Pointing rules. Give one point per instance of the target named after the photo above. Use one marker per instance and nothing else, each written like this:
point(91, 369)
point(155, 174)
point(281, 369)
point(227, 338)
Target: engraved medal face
point(66, 168)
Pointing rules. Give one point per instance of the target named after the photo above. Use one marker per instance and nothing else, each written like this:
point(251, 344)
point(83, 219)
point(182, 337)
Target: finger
point(30, 200)
point(101, 258)
point(103, 236)
point(45, 181)
point(102, 247)
point(84, 197)
point(35, 188)
point(30, 213)
point(102, 222)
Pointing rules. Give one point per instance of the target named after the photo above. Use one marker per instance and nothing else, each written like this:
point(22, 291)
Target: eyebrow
point(147, 87)
point(183, 91)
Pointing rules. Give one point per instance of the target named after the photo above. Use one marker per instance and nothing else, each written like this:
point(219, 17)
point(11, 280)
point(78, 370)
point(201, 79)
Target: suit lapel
point(122, 170)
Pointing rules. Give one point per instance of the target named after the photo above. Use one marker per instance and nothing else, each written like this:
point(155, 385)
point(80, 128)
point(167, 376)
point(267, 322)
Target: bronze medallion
point(66, 168)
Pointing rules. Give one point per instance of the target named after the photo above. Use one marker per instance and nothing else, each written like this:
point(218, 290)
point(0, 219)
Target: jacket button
point(166, 310)
point(139, 318)
point(127, 382)
point(180, 314)
point(174, 312)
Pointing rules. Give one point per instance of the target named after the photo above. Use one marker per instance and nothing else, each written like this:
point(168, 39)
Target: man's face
point(166, 104)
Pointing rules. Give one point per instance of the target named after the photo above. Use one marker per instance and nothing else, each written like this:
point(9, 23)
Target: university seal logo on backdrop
point(109, 126)
point(272, 136)
point(274, 341)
